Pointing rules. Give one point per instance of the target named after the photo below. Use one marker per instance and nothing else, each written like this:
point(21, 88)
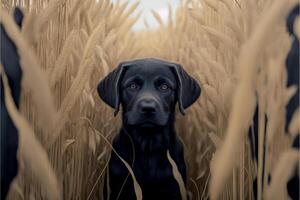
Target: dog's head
point(148, 90)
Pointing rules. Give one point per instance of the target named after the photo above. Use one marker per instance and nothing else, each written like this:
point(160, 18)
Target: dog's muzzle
point(147, 112)
point(147, 106)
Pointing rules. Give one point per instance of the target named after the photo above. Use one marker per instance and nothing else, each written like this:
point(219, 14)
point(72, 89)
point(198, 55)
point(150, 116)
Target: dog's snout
point(147, 106)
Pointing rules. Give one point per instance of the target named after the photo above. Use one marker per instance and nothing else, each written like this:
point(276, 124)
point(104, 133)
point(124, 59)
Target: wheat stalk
point(30, 150)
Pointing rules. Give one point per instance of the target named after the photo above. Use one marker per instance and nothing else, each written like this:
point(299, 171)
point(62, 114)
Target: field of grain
point(236, 50)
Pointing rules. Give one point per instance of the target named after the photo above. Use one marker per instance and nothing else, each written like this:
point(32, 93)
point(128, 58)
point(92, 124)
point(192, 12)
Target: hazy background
point(159, 6)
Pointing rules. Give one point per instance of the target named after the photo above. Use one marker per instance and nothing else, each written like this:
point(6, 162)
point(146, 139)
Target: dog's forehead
point(150, 69)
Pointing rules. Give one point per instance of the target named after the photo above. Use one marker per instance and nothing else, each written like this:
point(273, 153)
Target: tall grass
point(78, 42)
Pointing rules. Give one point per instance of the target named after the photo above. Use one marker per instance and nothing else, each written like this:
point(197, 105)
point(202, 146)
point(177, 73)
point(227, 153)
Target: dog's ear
point(109, 87)
point(188, 89)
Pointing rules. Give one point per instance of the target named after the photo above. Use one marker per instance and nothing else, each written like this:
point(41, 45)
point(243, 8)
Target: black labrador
point(148, 90)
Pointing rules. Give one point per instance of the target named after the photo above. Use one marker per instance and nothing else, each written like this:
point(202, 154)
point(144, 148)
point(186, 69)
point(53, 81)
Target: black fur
point(148, 90)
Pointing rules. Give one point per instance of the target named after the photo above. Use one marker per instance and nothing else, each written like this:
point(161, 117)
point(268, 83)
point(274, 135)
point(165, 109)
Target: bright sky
point(160, 6)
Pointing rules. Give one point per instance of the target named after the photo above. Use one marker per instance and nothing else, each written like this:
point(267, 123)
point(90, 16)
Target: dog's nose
point(147, 106)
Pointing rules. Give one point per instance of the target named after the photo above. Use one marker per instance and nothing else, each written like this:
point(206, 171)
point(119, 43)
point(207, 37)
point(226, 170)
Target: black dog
point(148, 90)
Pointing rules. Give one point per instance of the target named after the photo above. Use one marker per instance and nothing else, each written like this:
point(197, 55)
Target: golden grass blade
point(88, 22)
point(290, 92)
point(33, 77)
point(132, 9)
point(213, 96)
point(100, 55)
point(177, 176)
point(121, 7)
point(211, 4)
point(283, 171)
point(30, 150)
point(137, 187)
point(222, 38)
point(157, 17)
point(66, 144)
point(241, 116)
point(197, 16)
point(16, 189)
point(84, 72)
point(60, 64)
point(33, 27)
point(74, 9)
point(229, 8)
point(215, 139)
point(294, 126)
point(98, 179)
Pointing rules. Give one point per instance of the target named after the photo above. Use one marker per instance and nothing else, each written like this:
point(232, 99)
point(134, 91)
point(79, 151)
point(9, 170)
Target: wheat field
point(235, 49)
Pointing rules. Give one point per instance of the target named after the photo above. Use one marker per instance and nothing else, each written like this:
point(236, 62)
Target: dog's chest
point(148, 167)
point(152, 168)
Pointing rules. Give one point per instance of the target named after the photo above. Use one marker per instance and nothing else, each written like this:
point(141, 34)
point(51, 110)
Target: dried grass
point(77, 43)
point(30, 151)
point(177, 176)
point(241, 115)
point(33, 77)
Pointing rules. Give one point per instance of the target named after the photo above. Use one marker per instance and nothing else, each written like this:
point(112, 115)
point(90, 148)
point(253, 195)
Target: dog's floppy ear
point(188, 88)
point(109, 87)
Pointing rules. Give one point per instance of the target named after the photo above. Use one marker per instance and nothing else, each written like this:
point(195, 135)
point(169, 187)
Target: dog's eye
point(133, 86)
point(164, 87)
